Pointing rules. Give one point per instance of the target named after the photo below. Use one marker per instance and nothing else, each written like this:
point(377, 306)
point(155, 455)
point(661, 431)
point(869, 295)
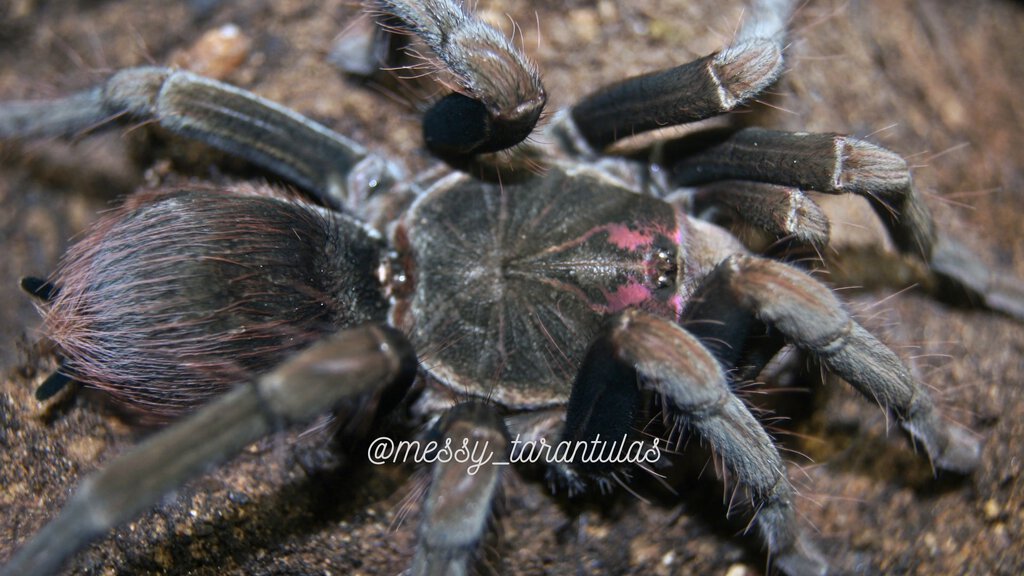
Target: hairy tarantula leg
point(639, 352)
point(363, 48)
point(783, 212)
point(827, 163)
point(458, 507)
point(963, 277)
point(955, 276)
point(706, 87)
point(498, 96)
point(351, 371)
point(811, 317)
point(742, 344)
point(339, 171)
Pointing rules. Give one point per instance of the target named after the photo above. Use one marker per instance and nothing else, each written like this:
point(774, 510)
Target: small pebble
point(216, 54)
point(991, 510)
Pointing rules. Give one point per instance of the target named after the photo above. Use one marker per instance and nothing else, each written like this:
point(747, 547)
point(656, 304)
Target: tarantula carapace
point(558, 294)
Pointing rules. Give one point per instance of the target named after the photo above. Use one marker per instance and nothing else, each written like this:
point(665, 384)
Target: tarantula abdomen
point(181, 294)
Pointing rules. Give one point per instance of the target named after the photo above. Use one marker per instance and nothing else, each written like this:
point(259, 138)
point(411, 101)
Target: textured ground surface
point(935, 81)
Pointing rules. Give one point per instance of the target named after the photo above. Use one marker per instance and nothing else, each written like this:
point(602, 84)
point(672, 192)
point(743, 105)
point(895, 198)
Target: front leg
point(706, 87)
point(812, 318)
point(746, 163)
point(826, 163)
point(638, 352)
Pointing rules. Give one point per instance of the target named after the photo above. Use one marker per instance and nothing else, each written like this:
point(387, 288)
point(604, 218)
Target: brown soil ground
point(939, 82)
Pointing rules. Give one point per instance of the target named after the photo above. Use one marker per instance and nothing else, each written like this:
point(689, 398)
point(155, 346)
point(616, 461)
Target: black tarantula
point(556, 296)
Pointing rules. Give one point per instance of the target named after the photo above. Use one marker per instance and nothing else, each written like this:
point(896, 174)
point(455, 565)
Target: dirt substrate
point(939, 82)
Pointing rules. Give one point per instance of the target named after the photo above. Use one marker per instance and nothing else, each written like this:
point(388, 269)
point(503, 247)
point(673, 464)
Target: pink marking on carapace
point(632, 294)
point(626, 238)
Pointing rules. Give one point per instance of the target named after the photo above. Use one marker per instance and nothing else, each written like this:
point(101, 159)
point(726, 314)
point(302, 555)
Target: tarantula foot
point(962, 453)
point(562, 478)
point(801, 559)
point(952, 448)
point(565, 479)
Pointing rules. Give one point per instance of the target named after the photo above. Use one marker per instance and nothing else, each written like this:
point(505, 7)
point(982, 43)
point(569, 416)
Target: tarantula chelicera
point(557, 295)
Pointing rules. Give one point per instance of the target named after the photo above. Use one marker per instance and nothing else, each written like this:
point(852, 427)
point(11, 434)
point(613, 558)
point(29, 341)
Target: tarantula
point(557, 294)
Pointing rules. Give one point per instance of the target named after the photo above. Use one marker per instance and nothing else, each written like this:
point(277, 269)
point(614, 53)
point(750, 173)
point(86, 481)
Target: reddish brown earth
point(938, 82)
